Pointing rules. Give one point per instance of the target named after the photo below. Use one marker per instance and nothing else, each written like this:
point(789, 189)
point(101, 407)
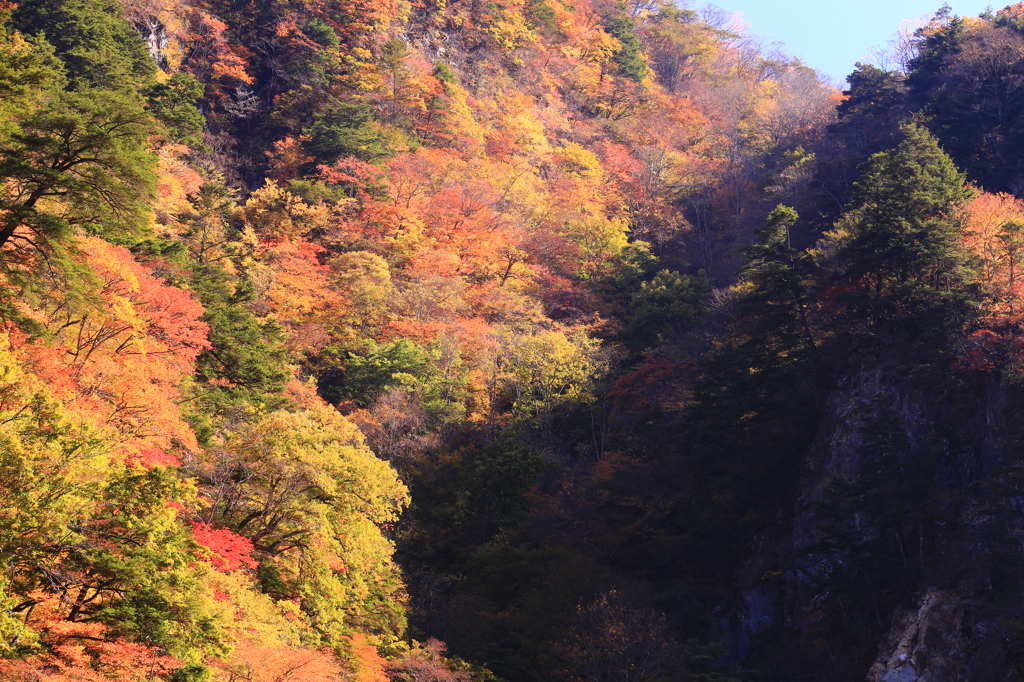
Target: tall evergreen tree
point(776, 300)
point(896, 249)
point(74, 147)
point(628, 58)
point(93, 38)
point(88, 151)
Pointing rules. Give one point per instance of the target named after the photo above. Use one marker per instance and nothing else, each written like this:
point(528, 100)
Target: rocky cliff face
point(924, 644)
point(901, 562)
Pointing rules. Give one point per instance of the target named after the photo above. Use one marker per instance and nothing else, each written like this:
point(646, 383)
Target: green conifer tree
point(897, 245)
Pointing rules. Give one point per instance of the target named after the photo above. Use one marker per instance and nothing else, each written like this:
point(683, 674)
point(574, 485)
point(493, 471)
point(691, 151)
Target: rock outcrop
point(924, 644)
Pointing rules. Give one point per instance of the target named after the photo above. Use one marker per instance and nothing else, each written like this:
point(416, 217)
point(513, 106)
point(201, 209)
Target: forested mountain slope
point(519, 340)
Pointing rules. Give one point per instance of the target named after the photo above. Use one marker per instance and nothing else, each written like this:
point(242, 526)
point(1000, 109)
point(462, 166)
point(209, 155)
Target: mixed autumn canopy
point(333, 330)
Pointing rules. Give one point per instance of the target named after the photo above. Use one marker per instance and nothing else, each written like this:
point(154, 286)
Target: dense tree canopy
point(594, 338)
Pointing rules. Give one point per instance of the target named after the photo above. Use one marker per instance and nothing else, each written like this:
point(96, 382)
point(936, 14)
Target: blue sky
point(832, 35)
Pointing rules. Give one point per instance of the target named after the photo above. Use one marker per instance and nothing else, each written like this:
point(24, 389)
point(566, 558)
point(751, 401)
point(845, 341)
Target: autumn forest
point(506, 341)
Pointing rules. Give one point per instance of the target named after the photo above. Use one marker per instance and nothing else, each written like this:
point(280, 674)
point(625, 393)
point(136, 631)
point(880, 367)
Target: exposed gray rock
point(155, 34)
point(924, 645)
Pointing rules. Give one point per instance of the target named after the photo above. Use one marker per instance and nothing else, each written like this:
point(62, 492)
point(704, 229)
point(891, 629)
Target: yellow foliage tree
point(550, 370)
point(315, 501)
point(275, 213)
